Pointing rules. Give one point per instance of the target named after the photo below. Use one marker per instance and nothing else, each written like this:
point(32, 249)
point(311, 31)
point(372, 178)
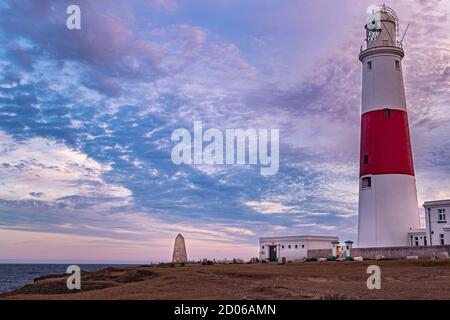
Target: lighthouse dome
point(381, 27)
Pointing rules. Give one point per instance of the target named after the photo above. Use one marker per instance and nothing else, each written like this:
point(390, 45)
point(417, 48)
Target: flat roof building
point(292, 248)
point(437, 227)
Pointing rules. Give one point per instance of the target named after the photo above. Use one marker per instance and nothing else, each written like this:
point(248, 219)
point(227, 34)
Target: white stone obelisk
point(179, 250)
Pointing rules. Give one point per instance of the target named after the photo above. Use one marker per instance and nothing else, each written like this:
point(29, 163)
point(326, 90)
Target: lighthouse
point(388, 206)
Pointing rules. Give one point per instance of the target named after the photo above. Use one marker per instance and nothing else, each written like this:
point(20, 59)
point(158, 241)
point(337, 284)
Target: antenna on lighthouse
point(404, 34)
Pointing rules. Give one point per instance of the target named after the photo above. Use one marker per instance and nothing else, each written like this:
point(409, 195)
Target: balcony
point(382, 43)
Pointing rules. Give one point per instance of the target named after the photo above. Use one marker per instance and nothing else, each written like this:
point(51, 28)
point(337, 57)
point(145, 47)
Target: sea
point(14, 276)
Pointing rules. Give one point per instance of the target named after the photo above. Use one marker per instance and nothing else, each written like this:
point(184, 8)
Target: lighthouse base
point(388, 209)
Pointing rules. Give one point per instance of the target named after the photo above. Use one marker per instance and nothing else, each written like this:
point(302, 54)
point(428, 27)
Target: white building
point(437, 228)
point(418, 238)
point(292, 248)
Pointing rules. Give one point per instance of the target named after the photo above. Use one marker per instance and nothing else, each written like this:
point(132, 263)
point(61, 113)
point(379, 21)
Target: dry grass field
point(325, 280)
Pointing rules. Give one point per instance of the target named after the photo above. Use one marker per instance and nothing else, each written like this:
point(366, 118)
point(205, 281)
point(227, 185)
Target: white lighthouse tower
point(388, 206)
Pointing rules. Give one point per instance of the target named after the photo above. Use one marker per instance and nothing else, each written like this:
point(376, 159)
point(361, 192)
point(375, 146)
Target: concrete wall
point(319, 253)
point(398, 252)
point(319, 244)
point(292, 254)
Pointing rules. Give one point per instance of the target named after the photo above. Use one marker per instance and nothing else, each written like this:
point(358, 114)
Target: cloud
point(166, 4)
point(267, 207)
point(86, 118)
point(40, 168)
point(108, 45)
point(315, 226)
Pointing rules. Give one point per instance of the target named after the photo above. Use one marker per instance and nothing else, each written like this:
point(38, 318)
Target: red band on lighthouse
point(385, 143)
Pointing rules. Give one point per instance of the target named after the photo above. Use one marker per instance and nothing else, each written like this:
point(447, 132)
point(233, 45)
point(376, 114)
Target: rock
point(254, 260)
point(359, 259)
point(442, 256)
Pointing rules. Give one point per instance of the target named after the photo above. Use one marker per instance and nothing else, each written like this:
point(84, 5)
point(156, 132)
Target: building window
point(369, 65)
point(296, 246)
point(387, 113)
point(263, 247)
point(366, 159)
point(282, 247)
point(417, 241)
point(289, 246)
point(425, 242)
point(303, 246)
point(366, 182)
point(397, 64)
point(441, 238)
point(442, 216)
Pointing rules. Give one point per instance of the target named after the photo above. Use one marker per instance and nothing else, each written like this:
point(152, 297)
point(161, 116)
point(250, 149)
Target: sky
point(86, 118)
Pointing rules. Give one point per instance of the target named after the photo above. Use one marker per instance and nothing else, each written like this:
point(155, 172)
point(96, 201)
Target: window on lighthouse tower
point(366, 182)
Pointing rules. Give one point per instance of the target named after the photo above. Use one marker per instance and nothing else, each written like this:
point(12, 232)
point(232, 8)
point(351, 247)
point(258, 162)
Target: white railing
point(382, 43)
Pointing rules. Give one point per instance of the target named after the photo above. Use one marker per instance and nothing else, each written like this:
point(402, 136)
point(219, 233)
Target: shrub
point(311, 260)
point(331, 259)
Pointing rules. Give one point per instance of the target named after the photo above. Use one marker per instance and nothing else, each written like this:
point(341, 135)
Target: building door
point(272, 253)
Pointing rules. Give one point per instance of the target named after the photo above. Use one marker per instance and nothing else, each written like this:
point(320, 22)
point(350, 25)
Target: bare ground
point(326, 280)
